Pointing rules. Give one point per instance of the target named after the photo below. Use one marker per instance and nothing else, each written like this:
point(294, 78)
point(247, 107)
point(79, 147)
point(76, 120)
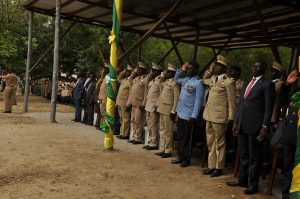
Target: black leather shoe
point(176, 161)
point(146, 147)
point(236, 184)
point(184, 164)
point(166, 155)
point(250, 191)
point(217, 173)
point(159, 153)
point(152, 148)
point(136, 142)
point(130, 141)
point(6, 111)
point(208, 171)
point(124, 137)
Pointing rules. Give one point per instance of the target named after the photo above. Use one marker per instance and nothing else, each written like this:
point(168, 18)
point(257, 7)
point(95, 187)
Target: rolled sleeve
point(179, 76)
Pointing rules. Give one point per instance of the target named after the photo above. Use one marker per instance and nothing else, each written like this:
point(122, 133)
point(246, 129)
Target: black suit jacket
point(89, 98)
point(257, 109)
point(289, 135)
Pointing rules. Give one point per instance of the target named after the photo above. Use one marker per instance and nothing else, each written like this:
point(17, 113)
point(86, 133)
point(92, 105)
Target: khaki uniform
point(278, 84)
point(11, 82)
point(167, 103)
point(122, 98)
point(102, 98)
point(238, 88)
point(96, 100)
point(136, 100)
point(152, 117)
point(220, 108)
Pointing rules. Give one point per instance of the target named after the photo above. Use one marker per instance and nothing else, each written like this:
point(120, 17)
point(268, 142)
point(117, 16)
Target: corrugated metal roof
point(217, 20)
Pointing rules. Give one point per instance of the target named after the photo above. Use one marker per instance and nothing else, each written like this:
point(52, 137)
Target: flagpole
point(111, 79)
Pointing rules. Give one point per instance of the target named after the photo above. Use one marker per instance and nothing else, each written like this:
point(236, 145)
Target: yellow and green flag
point(295, 187)
point(107, 125)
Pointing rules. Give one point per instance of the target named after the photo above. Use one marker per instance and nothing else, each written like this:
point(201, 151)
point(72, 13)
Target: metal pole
point(150, 31)
point(167, 54)
point(196, 45)
point(50, 48)
point(292, 59)
point(215, 56)
point(28, 64)
point(173, 44)
point(55, 63)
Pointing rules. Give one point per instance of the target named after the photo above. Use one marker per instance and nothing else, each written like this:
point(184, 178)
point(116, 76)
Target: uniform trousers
point(152, 119)
point(124, 120)
point(9, 97)
point(137, 120)
point(215, 137)
point(166, 129)
point(184, 139)
point(250, 153)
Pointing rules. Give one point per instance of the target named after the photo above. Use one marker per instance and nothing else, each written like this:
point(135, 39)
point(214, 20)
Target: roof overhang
point(245, 23)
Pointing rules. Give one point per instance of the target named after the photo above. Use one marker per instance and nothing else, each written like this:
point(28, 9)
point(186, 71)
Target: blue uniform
point(191, 96)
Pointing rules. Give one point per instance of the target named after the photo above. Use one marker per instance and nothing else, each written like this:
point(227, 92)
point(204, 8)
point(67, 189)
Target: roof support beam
point(292, 59)
point(123, 50)
point(173, 44)
point(55, 63)
point(196, 45)
point(29, 57)
point(215, 56)
point(150, 31)
point(51, 47)
point(266, 33)
point(167, 54)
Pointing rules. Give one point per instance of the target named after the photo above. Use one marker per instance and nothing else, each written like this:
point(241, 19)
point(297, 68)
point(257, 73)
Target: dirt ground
point(66, 160)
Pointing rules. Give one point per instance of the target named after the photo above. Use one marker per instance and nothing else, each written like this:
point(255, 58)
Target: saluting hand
point(292, 78)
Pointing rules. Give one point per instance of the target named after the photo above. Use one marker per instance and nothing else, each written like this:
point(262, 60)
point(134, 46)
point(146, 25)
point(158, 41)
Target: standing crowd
point(163, 108)
point(167, 108)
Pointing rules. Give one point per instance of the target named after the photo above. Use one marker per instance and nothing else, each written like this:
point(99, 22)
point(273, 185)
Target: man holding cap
point(219, 114)
point(188, 108)
point(167, 104)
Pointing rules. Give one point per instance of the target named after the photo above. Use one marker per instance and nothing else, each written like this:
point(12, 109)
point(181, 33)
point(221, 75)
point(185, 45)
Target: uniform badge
point(190, 89)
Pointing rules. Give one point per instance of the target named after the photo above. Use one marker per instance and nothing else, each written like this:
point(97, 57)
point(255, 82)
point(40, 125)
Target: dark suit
point(89, 102)
point(77, 98)
point(86, 84)
point(289, 138)
point(253, 112)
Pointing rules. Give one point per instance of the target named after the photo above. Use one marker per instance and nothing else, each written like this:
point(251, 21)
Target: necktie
point(249, 88)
